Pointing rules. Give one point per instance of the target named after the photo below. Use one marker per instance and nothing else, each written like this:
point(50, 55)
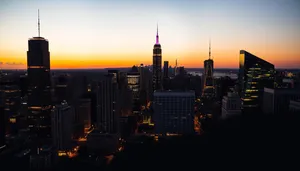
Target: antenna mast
point(39, 30)
point(209, 55)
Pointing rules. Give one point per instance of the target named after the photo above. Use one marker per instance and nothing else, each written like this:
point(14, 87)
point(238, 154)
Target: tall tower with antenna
point(39, 86)
point(208, 90)
point(157, 68)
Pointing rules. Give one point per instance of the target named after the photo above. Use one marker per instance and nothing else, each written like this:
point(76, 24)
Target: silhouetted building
point(2, 122)
point(222, 86)
point(69, 87)
point(39, 95)
point(254, 75)
point(62, 89)
point(181, 71)
point(157, 69)
point(125, 95)
point(108, 114)
point(42, 159)
point(174, 112)
point(39, 87)
point(294, 107)
point(62, 116)
point(9, 85)
point(145, 84)
point(277, 101)
point(208, 90)
point(128, 125)
point(82, 118)
point(133, 79)
point(116, 75)
point(231, 105)
point(166, 69)
point(23, 85)
point(101, 143)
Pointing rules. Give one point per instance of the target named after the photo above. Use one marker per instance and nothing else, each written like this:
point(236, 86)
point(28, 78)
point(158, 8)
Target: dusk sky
point(121, 33)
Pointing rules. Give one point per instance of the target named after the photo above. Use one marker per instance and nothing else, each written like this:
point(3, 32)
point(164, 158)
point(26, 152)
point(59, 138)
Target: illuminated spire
point(157, 37)
point(39, 22)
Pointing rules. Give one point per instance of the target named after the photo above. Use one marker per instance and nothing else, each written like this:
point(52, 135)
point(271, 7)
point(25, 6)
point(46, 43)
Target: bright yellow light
point(12, 120)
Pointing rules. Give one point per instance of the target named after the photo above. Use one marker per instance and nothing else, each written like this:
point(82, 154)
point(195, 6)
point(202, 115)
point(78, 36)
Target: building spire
point(209, 54)
point(39, 30)
point(157, 37)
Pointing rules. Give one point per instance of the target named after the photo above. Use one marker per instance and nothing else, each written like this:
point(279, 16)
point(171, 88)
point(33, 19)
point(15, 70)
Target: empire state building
point(157, 70)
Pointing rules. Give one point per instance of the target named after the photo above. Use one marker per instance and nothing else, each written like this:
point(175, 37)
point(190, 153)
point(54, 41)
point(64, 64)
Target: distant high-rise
point(62, 116)
point(174, 112)
point(108, 114)
point(133, 79)
point(276, 101)
point(39, 86)
point(166, 69)
point(254, 75)
point(208, 86)
point(9, 85)
point(157, 70)
point(231, 105)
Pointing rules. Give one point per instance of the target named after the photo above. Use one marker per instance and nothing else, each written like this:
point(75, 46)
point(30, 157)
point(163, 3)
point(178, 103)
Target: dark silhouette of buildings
point(108, 112)
point(145, 84)
point(2, 122)
point(254, 74)
point(208, 81)
point(277, 101)
point(134, 78)
point(10, 87)
point(39, 87)
point(166, 69)
point(157, 69)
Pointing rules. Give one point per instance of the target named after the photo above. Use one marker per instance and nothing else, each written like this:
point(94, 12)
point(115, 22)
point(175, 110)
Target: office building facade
point(254, 75)
point(174, 112)
point(62, 116)
point(108, 101)
point(277, 101)
point(231, 105)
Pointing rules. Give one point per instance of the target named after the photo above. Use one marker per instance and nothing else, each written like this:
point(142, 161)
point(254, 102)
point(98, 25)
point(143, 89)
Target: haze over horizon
point(121, 33)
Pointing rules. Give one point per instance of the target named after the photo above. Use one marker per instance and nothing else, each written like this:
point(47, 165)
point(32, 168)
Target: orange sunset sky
point(102, 34)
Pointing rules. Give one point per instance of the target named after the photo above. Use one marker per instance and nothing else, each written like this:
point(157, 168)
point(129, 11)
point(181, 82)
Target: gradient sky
point(121, 33)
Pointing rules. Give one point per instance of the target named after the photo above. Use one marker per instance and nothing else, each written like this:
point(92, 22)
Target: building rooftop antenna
point(39, 30)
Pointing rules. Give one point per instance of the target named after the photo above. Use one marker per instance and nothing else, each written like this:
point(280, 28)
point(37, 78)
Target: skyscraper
point(208, 86)
point(108, 114)
point(39, 83)
point(133, 79)
point(254, 74)
point(62, 116)
point(157, 70)
point(166, 69)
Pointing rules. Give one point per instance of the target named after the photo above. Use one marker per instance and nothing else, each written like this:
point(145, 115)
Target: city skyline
point(102, 34)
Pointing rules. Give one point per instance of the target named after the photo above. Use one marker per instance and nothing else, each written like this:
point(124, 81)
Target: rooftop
point(38, 38)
